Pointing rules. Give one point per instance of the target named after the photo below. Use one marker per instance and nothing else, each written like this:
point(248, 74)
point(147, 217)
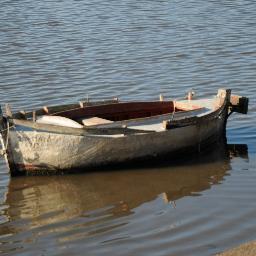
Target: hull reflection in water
point(32, 197)
point(66, 208)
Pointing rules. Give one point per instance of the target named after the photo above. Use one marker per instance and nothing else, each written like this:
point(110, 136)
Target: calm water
point(61, 51)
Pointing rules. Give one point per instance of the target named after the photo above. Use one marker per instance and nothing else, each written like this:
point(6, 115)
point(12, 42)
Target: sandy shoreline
point(248, 249)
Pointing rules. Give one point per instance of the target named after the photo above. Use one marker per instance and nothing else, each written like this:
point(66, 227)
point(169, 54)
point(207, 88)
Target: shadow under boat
point(32, 197)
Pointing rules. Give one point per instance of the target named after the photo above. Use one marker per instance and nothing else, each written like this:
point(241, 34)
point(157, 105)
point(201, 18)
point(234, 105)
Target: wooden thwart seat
point(95, 121)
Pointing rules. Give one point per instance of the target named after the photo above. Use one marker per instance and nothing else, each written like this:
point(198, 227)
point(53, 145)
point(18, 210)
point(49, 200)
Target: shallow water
point(64, 51)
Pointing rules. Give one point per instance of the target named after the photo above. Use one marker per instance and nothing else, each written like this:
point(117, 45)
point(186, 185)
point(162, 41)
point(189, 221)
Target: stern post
point(224, 96)
point(233, 103)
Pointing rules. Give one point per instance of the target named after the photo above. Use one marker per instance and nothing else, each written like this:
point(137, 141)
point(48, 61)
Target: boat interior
point(121, 111)
point(135, 115)
point(150, 115)
point(112, 110)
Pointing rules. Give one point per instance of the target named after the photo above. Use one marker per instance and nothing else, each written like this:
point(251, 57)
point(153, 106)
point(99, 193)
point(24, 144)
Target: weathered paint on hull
point(44, 152)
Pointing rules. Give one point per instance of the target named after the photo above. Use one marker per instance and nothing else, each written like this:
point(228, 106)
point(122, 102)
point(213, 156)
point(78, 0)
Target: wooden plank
point(95, 121)
point(77, 131)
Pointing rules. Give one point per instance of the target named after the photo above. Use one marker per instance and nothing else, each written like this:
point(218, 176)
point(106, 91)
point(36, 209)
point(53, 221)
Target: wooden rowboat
point(90, 134)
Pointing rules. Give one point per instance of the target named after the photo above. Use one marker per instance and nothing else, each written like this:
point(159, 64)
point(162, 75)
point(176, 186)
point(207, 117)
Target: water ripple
point(63, 51)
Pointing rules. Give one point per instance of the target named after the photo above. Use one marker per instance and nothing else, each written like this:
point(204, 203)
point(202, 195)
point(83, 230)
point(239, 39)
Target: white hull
point(33, 150)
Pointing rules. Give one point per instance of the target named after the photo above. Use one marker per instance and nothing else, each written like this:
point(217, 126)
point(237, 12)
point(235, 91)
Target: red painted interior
point(121, 111)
